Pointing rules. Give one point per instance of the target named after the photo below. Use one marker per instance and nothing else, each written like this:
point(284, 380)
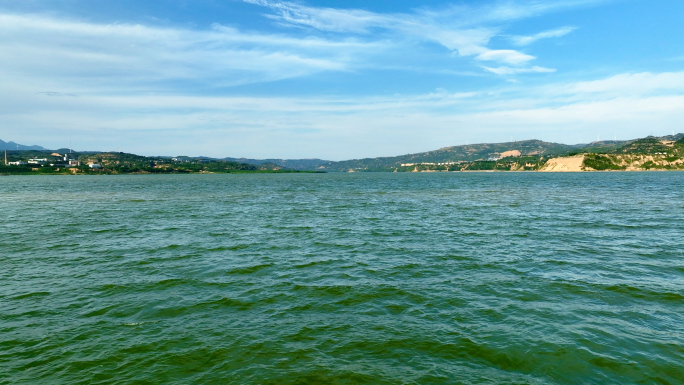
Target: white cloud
point(346, 127)
point(514, 10)
point(506, 56)
point(513, 71)
point(101, 83)
point(466, 42)
point(464, 30)
point(630, 84)
point(129, 54)
point(325, 19)
point(525, 40)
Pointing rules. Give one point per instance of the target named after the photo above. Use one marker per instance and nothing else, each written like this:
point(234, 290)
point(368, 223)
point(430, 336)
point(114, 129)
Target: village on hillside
point(70, 162)
point(57, 160)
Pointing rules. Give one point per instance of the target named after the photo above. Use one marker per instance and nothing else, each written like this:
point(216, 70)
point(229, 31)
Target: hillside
point(454, 154)
point(297, 164)
point(649, 153)
point(128, 163)
point(46, 162)
point(643, 154)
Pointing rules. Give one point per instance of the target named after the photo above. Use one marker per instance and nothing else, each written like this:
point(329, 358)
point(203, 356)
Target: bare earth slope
point(564, 164)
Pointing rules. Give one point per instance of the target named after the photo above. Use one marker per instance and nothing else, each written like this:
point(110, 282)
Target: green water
point(451, 278)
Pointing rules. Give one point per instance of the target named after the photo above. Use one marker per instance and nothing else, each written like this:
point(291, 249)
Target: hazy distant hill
point(14, 146)
point(297, 164)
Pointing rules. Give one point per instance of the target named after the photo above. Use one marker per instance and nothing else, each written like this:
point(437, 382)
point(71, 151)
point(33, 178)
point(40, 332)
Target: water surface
point(441, 278)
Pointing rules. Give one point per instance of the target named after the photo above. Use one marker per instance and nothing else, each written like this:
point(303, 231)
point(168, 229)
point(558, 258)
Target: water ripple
point(442, 278)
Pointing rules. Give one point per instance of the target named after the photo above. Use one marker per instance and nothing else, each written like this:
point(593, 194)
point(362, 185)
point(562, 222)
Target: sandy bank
point(564, 164)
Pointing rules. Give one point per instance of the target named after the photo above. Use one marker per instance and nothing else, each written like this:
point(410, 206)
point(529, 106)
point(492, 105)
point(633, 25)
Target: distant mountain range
point(465, 153)
point(15, 146)
point(478, 152)
point(453, 154)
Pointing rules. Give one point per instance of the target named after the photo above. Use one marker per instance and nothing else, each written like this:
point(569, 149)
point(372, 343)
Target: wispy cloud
point(324, 19)
point(133, 54)
point(56, 94)
point(510, 10)
point(104, 82)
point(626, 85)
point(526, 40)
point(514, 71)
point(353, 126)
point(466, 31)
point(506, 56)
point(222, 56)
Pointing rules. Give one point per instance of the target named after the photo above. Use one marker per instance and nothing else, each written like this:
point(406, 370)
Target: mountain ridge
point(532, 150)
point(464, 153)
point(21, 147)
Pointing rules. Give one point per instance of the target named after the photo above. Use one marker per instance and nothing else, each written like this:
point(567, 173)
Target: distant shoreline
point(645, 154)
point(325, 172)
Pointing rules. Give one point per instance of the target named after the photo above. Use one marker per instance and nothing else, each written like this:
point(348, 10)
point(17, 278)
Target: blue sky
point(336, 80)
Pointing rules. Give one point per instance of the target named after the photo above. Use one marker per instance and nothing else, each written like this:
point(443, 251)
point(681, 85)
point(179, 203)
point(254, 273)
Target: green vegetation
point(523, 163)
point(602, 162)
point(646, 146)
point(15, 170)
point(123, 163)
point(648, 153)
point(481, 165)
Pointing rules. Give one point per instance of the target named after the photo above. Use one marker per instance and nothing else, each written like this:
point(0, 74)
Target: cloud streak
point(136, 54)
point(514, 71)
point(333, 127)
point(200, 90)
point(526, 40)
point(463, 30)
point(151, 58)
